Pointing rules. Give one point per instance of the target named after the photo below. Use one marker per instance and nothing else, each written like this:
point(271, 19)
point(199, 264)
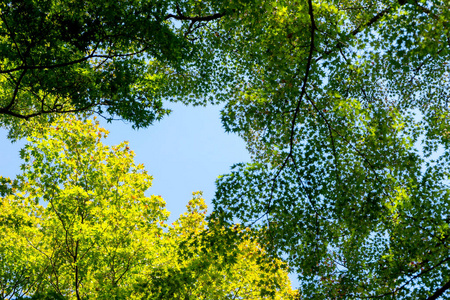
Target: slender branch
point(77, 280)
point(12, 37)
point(358, 30)
point(440, 291)
point(50, 258)
point(182, 17)
point(372, 21)
point(305, 78)
point(426, 10)
point(297, 109)
point(73, 62)
point(16, 90)
point(330, 132)
point(44, 67)
point(411, 280)
point(64, 226)
point(29, 116)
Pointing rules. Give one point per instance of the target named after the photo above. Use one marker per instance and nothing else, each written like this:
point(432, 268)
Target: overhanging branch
point(181, 17)
point(440, 291)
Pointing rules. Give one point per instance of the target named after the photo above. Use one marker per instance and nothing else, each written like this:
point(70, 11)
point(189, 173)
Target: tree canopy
point(343, 105)
point(112, 57)
point(76, 224)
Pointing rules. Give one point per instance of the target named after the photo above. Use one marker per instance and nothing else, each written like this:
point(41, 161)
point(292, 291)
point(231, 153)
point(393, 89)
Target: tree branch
point(182, 17)
point(374, 19)
point(358, 30)
point(440, 291)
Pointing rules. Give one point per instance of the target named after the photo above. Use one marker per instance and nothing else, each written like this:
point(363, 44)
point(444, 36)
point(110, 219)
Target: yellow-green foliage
point(76, 224)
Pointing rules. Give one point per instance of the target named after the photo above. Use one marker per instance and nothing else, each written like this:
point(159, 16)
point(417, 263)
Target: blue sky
point(185, 152)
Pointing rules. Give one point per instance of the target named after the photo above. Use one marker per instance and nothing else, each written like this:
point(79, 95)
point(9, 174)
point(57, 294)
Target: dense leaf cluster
point(110, 57)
